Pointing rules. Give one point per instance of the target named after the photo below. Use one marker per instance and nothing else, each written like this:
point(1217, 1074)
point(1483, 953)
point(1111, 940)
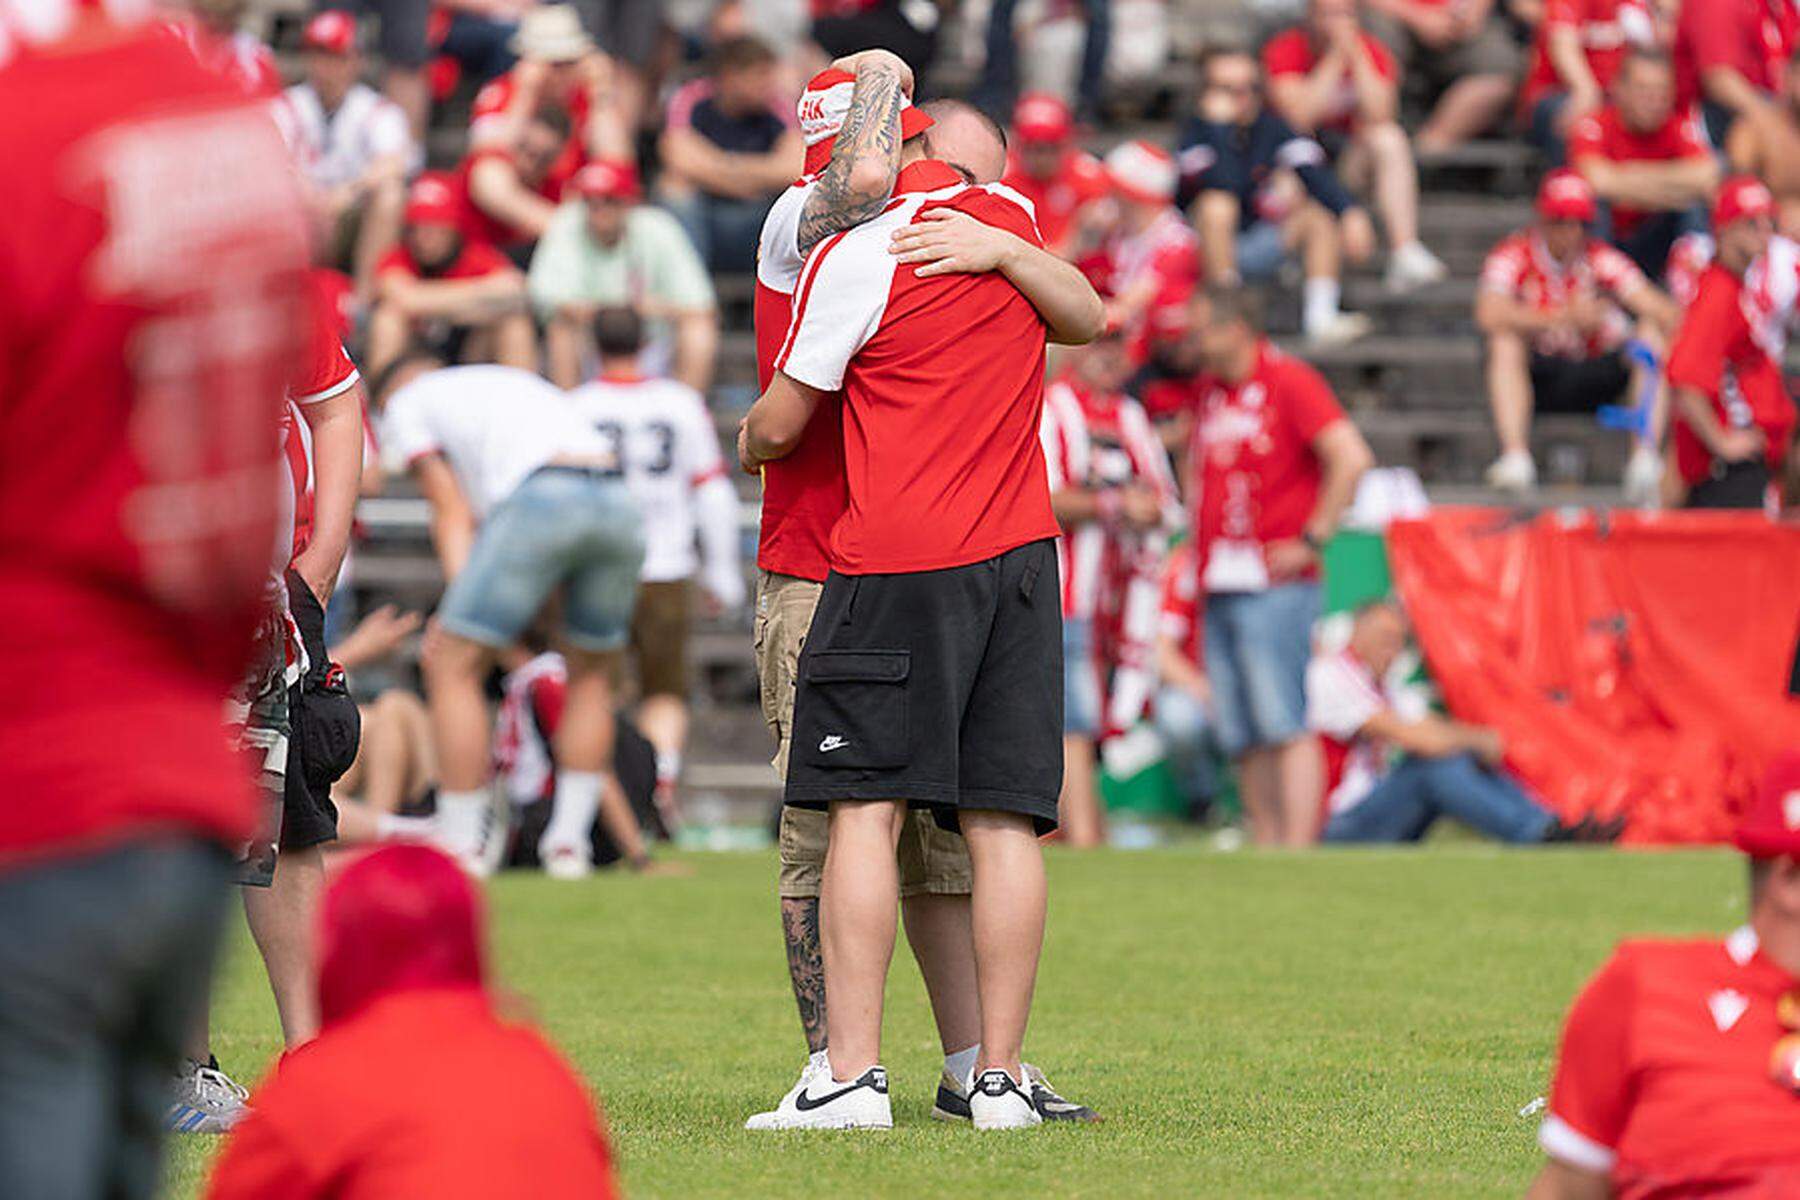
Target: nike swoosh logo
point(833, 742)
point(806, 1103)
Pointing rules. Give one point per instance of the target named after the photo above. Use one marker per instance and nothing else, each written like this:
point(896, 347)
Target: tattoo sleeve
point(806, 966)
point(870, 136)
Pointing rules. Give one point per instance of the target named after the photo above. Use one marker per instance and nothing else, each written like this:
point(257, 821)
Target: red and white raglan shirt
point(1342, 697)
point(1291, 54)
point(1522, 268)
point(1605, 136)
point(1663, 1078)
point(804, 493)
point(1079, 180)
point(1253, 462)
point(152, 256)
point(1729, 349)
point(1157, 268)
point(662, 435)
point(943, 382)
point(531, 708)
point(1607, 29)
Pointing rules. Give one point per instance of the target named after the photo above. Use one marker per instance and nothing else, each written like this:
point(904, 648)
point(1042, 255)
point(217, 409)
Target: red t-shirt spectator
point(140, 408)
point(1721, 355)
point(1291, 52)
point(1607, 28)
point(1079, 181)
point(1179, 612)
point(478, 259)
point(489, 113)
point(1521, 267)
point(1662, 1081)
point(1752, 37)
point(1604, 135)
point(1257, 473)
point(943, 381)
point(478, 226)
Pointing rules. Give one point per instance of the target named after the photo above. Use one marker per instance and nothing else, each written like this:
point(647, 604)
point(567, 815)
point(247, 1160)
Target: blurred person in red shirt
point(1679, 1069)
point(438, 290)
point(1729, 56)
point(1575, 54)
point(1555, 304)
point(1733, 417)
point(1063, 182)
point(1273, 466)
point(1334, 81)
point(154, 259)
point(1149, 261)
point(511, 190)
point(218, 40)
point(1648, 162)
point(403, 989)
point(560, 66)
point(1462, 53)
point(1181, 709)
point(1770, 150)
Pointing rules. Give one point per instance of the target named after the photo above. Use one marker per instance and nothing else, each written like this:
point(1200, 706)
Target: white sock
point(668, 766)
point(1319, 306)
point(817, 1059)
point(961, 1065)
point(392, 827)
point(574, 807)
point(459, 819)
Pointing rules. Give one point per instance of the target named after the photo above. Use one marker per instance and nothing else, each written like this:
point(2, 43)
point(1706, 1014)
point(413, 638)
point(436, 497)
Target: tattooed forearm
point(864, 159)
point(806, 967)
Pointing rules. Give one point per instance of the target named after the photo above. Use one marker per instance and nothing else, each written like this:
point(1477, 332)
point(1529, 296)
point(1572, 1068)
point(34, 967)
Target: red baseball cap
point(1142, 172)
point(1771, 829)
point(607, 179)
point(1042, 117)
point(432, 200)
point(1742, 197)
point(1565, 196)
point(824, 105)
point(332, 31)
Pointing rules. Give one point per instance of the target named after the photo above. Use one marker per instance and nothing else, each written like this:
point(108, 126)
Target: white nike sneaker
point(997, 1101)
point(815, 1062)
point(1513, 471)
point(477, 839)
point(826, 1103)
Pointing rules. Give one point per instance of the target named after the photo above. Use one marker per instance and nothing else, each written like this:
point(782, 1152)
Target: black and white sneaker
point(824, 1103)
point(997, 1101)
point(1051, 1106)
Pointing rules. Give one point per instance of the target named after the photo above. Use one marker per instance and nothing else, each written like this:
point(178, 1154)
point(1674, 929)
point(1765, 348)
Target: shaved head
point(966, 138)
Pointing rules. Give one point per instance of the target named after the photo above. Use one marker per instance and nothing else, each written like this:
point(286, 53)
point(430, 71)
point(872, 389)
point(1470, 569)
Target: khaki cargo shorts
point(932, 861)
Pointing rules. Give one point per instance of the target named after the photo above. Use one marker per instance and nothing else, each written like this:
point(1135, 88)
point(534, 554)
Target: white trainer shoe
point(997, 1101)
point(1411, 267)
point(821, 1102)
point(1513, 471)
point(1643, 477)
point(566, 860)
point(815, 1062)
point(205, 1099)
point(1342, 329)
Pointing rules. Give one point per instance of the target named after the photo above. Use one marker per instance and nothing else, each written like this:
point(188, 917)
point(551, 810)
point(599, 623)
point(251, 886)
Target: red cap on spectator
point(1566, 196)
point(432, 200)
point(824, 105)
point(1740, 198)
point(1771, 829)
point(607, 179)
point(332, 31)
point(1142, 172)
point(1042, 117)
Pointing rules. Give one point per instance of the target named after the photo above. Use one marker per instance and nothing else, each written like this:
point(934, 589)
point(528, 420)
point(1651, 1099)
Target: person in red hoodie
point(404, 997)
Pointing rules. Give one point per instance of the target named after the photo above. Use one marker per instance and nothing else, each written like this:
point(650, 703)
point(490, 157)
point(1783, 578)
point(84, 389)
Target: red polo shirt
point(1663, 1078)
point(1292, 53)
point(480, 227)
point(1605, 136)
point(1753, 37)
point(943, 381)
point(1717, 352)
point(1607, 28)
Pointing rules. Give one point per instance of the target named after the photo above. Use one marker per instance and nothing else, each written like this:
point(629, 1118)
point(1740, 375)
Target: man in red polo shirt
point(1575, 55)
point(1648, 161)
point(1274, 465)
point(1679, 1071)
point(848, 180)
point(152, 270)
point(1729, 56)
point(931, 675)
point(439, 291)
point(1733, 417)
point(509, 191)
point(1061, 180)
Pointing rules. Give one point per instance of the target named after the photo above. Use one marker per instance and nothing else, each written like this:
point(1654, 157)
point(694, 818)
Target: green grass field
point(1361, 1024)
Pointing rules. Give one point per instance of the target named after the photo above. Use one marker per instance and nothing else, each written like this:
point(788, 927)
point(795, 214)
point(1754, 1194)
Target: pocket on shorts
point(855, 713)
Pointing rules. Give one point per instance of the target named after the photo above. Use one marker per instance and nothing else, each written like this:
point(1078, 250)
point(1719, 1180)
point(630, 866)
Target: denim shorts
point(567, 527)
point(1261, 249)
point(1258, 645)
point(1081, 678)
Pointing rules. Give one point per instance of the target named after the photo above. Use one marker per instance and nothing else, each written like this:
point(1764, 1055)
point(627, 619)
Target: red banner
point(1635, 662)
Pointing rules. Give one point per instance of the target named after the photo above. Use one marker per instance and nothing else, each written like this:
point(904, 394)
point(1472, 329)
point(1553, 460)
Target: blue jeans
point(1258, 645)
point(1000, 76)
point(1650, 243)
point(725, 230)
point(563, 527)
point(1186, 731)
point(1420, 790)
point(1543, 133)
point(1081, 678)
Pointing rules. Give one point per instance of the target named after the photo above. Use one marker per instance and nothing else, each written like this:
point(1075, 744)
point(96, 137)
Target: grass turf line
point(1342, 1024)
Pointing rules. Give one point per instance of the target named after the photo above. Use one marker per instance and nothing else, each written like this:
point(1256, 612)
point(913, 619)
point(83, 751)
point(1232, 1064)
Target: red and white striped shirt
point(1522, 268)
point(525, 727)
point(943, 382)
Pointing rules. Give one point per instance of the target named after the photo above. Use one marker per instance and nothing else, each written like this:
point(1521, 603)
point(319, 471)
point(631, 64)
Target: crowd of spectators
point(619, 159)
